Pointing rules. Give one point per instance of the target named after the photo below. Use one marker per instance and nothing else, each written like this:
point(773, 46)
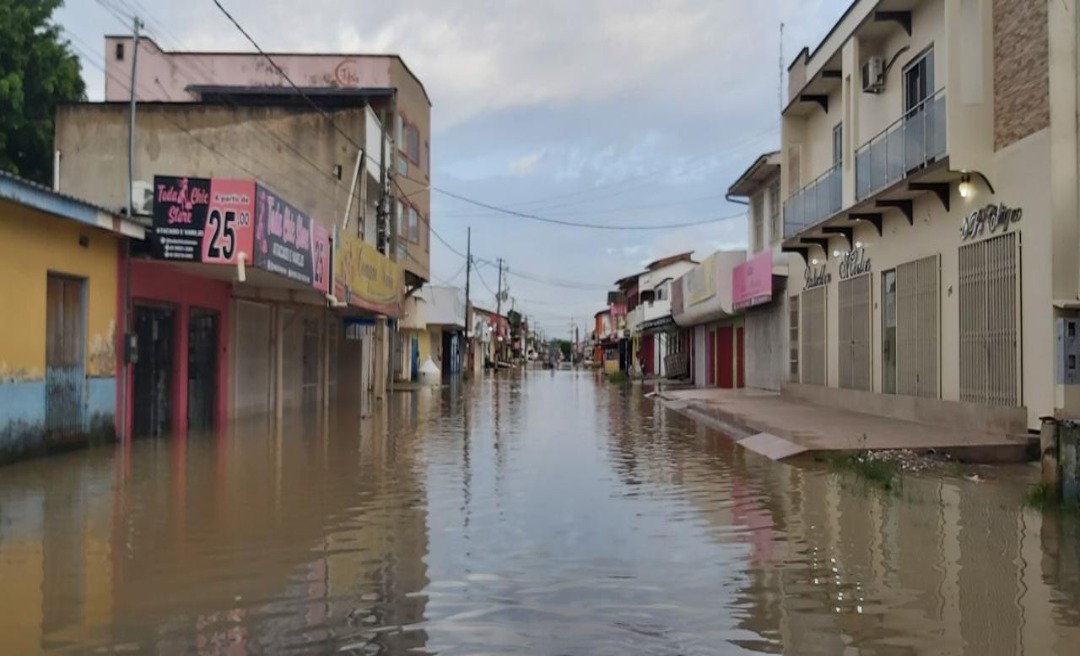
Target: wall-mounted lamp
point(836, 253)
point(858, 244)
point(241, 270)
point(814, 261)
point(965, 186)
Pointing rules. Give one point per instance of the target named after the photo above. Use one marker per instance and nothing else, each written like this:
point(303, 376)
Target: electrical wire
point(575, 224)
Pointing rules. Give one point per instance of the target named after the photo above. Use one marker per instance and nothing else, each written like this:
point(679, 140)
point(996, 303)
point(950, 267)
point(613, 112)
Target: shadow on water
point(546, 512)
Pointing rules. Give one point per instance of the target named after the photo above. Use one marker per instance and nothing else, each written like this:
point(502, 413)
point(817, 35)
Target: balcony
point(913, 141)
point(813, 203)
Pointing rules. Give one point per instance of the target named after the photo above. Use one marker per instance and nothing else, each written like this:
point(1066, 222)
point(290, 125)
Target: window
point(838, 144)
point(918, 82)
point(414, 225)
point(776, 231)
point(758, 221)
point(414, 144)
point(663, 291)
point(427, 157)
point(119, 52)
point(400, 138)
point(403, 224)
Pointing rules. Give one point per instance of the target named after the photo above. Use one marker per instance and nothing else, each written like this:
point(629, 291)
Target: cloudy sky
point(617, 112)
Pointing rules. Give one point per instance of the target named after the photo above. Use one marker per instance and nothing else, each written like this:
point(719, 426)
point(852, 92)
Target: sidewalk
point(780, 427)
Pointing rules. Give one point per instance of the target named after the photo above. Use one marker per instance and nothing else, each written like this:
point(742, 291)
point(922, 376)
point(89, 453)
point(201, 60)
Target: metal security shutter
point(989, 322)
point(793, 338)
point(917, 328)
point(813, 337)
point(854, 333)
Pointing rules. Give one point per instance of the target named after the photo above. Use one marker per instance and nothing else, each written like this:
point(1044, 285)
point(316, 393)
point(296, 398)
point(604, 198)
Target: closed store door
point(740, 357)
point(917, 328)
point(989, 321)
point(310, 367)
point(725, 361)
point(202, 369)
point(793, 339)
point(252, 358)
point(64, 353)
point(853, 330)
point(813, 336)
point(710, 358)
point(153, 372)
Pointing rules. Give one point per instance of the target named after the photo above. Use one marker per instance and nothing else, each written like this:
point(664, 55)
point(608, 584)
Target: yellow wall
point(35, 244)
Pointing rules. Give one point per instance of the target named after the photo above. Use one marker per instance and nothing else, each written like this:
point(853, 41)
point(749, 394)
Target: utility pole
point(498, 293)
point(468, 317)
point(498, 305)
point(125, 327)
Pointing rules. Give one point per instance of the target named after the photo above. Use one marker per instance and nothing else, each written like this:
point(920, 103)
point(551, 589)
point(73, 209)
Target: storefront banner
point(751, 281)
point(364, 277)
point(283, 238)
point(700, 282)
point(230, 222)
point(320, 248)
point(180, 209)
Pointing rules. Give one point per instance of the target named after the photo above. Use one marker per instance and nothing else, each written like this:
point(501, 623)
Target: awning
point(658, 325)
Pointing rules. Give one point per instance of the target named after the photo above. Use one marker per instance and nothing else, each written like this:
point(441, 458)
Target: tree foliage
point(38, 71)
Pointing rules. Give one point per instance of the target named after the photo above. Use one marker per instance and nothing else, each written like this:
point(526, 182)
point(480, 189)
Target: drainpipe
point(735, 199)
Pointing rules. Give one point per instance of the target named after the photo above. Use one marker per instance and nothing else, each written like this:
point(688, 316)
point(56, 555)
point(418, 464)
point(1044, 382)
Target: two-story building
point(652, 331)
point(759, 284)
point(929, 156)
point(349, 193)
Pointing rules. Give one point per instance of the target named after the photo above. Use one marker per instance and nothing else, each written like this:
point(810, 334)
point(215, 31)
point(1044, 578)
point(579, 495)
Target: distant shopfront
point(712, 332)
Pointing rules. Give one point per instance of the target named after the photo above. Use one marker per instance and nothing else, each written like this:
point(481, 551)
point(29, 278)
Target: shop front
point(936, 305)
point(711, 331)
point(230, 308)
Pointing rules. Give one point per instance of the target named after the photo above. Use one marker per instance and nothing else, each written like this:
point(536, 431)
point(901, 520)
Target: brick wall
point(1021, 70)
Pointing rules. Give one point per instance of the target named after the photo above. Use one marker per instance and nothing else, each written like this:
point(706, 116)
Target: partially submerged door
point(152, 375)
point(64, 353)
point(202, 369)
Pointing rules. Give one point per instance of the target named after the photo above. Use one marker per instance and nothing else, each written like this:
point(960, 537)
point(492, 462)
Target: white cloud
point(525, 165)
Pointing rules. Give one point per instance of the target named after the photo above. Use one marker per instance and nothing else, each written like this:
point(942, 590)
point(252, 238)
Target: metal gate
point(65, 373)
point(202, 369)
point(917, 328)
point(989, 321)
point(310, 368)
point(813, 337)
point(153, 371)
point(793, 339)
point(854, 333)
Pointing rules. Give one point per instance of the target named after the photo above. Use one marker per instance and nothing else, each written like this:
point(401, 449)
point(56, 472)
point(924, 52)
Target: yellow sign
point(365, 278)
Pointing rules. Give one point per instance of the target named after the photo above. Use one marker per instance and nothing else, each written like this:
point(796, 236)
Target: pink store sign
point(751, 281)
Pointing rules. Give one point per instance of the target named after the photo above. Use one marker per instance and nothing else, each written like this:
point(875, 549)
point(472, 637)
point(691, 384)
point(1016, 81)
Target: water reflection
point(537, 513)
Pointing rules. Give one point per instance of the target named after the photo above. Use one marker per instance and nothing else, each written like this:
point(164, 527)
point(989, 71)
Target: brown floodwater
point(540, 513)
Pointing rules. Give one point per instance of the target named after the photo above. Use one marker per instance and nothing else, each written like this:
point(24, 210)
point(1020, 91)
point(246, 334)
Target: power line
point(574, 224)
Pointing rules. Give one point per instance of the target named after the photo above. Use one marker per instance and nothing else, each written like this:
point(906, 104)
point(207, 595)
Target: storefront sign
point(992, 218)
point(364, 277)
point(283, 238)
point(700, 282)
point(816, 276)
point(321, 251)
point(751, 281)
point(180, 209)
point(854, 264)
point(230, 222)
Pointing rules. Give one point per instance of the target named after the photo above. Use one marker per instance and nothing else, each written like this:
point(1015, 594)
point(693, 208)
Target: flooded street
point(543, 513)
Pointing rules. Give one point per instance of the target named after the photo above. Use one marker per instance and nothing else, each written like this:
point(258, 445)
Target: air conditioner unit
point(142, 197)
point(873, 75)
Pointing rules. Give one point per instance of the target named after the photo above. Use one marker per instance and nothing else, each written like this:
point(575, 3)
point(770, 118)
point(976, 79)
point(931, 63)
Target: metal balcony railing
point(913, 141)
point(816, 201)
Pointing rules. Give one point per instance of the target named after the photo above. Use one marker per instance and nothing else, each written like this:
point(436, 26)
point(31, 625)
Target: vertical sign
point(321, 254)
point(282, 238)
point(230, 222)
point(180, 210)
